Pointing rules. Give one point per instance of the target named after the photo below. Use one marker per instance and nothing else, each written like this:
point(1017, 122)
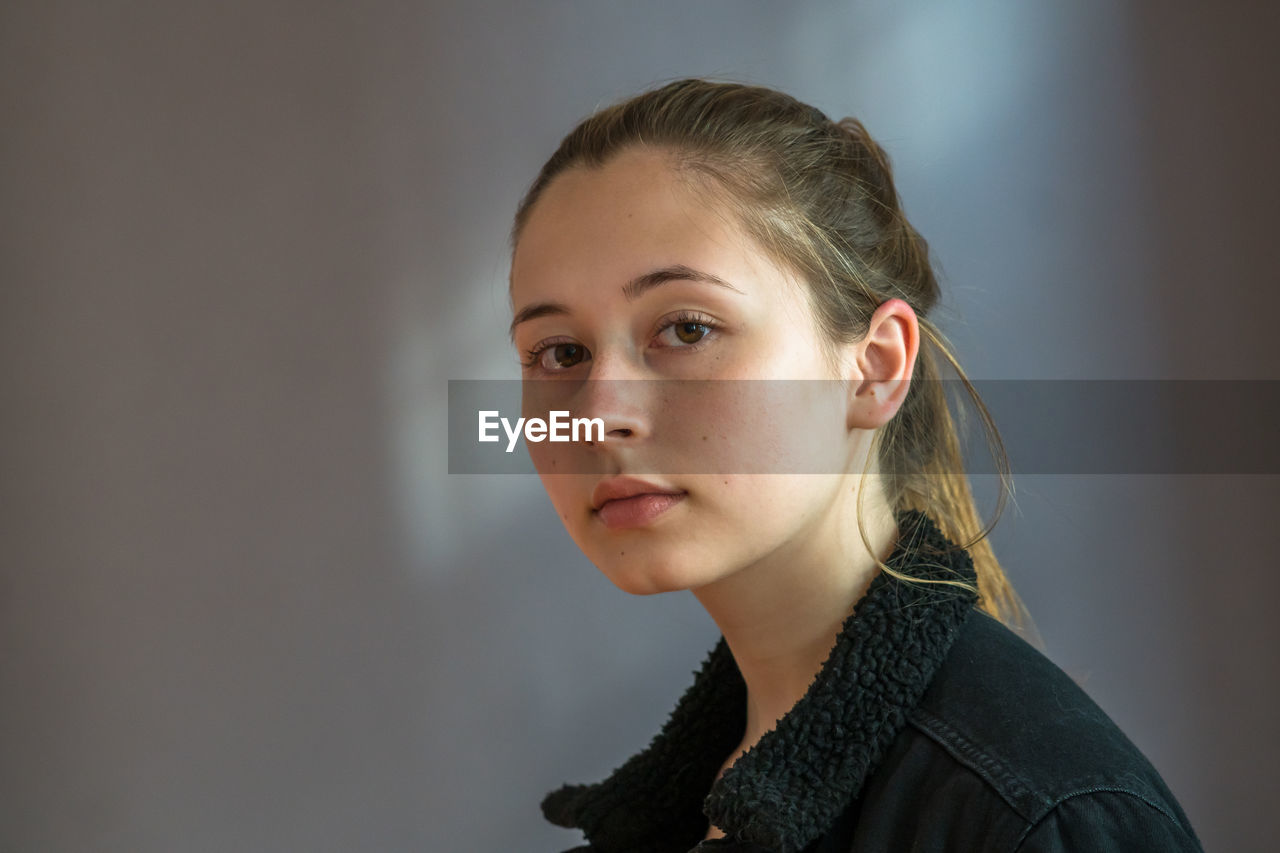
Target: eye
point(555, 355)
point(685, 330)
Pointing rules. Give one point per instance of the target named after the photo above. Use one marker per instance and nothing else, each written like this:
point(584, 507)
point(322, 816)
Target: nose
point(617, 394)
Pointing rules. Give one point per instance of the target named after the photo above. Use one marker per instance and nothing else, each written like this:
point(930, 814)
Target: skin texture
point(776, 558)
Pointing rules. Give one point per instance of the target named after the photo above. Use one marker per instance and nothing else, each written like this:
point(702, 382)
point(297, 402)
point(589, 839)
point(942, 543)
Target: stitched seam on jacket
point(1101, 790)
point(1008, 784)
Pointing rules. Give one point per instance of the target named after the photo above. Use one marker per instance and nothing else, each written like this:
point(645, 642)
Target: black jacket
point(930, 727)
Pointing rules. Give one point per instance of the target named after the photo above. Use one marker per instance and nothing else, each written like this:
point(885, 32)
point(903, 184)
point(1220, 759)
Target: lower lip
point(637, 511)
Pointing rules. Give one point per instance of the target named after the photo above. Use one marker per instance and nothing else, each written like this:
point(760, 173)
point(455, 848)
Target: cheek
point(736, 427)
point(768, 506)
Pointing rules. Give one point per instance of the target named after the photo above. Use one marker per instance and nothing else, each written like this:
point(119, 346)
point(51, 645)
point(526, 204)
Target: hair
point(819, 197)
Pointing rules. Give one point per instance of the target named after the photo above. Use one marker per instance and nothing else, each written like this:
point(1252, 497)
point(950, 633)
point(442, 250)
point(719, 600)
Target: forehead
point(634, 213)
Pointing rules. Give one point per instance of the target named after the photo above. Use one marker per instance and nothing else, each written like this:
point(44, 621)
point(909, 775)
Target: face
point(624, 273)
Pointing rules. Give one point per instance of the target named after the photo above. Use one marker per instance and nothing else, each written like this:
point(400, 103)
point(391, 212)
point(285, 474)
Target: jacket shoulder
point(1010, 716)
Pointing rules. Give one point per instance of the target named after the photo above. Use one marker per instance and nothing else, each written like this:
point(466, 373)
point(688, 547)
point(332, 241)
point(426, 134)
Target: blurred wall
point(244, 246)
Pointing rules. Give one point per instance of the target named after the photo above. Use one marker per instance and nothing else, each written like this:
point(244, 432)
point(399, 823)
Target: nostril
point(618, 432)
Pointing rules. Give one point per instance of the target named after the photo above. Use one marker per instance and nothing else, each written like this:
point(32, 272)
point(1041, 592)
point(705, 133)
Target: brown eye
point(691, 333)
point(567, 355)
point(555, 356)
point(686, 331)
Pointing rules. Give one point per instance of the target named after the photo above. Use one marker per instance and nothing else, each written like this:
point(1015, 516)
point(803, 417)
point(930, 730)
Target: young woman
point(866, 693)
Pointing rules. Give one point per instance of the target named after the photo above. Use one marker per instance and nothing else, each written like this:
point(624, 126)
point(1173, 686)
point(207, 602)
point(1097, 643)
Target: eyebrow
point(632, 290)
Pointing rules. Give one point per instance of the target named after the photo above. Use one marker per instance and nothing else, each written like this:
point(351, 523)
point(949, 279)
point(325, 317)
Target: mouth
point(626, 502)
point(636, 511)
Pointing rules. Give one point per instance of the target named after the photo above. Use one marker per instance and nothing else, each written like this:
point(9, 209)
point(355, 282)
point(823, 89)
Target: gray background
point(244, 246)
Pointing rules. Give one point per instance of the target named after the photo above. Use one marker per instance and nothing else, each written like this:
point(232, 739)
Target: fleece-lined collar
point(789, 788)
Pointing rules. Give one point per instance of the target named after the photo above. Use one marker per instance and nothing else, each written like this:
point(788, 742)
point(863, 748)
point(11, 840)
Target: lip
point(621, 488)
point(625, 502)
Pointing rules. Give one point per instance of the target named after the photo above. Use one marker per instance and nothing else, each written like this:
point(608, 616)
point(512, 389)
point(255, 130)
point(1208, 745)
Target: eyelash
point(534, 355)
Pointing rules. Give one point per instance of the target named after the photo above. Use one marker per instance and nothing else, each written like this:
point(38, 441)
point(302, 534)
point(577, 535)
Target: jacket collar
point(790, 787)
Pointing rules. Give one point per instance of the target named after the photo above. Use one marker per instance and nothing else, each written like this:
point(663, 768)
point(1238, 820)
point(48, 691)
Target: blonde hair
point(819, 197)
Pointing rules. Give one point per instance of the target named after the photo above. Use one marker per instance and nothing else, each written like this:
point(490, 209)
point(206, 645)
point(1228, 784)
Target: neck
point(781, 615)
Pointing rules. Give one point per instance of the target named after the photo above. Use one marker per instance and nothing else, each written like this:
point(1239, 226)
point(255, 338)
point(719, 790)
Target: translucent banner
point(812, 426)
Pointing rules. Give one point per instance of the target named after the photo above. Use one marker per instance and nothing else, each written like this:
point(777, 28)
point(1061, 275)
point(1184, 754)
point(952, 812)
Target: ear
point(879, 367)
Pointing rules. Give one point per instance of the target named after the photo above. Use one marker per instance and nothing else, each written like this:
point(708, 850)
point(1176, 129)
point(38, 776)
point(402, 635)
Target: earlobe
point(871, 405)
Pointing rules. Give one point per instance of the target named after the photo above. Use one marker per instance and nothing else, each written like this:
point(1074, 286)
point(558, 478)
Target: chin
point(649, 576)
